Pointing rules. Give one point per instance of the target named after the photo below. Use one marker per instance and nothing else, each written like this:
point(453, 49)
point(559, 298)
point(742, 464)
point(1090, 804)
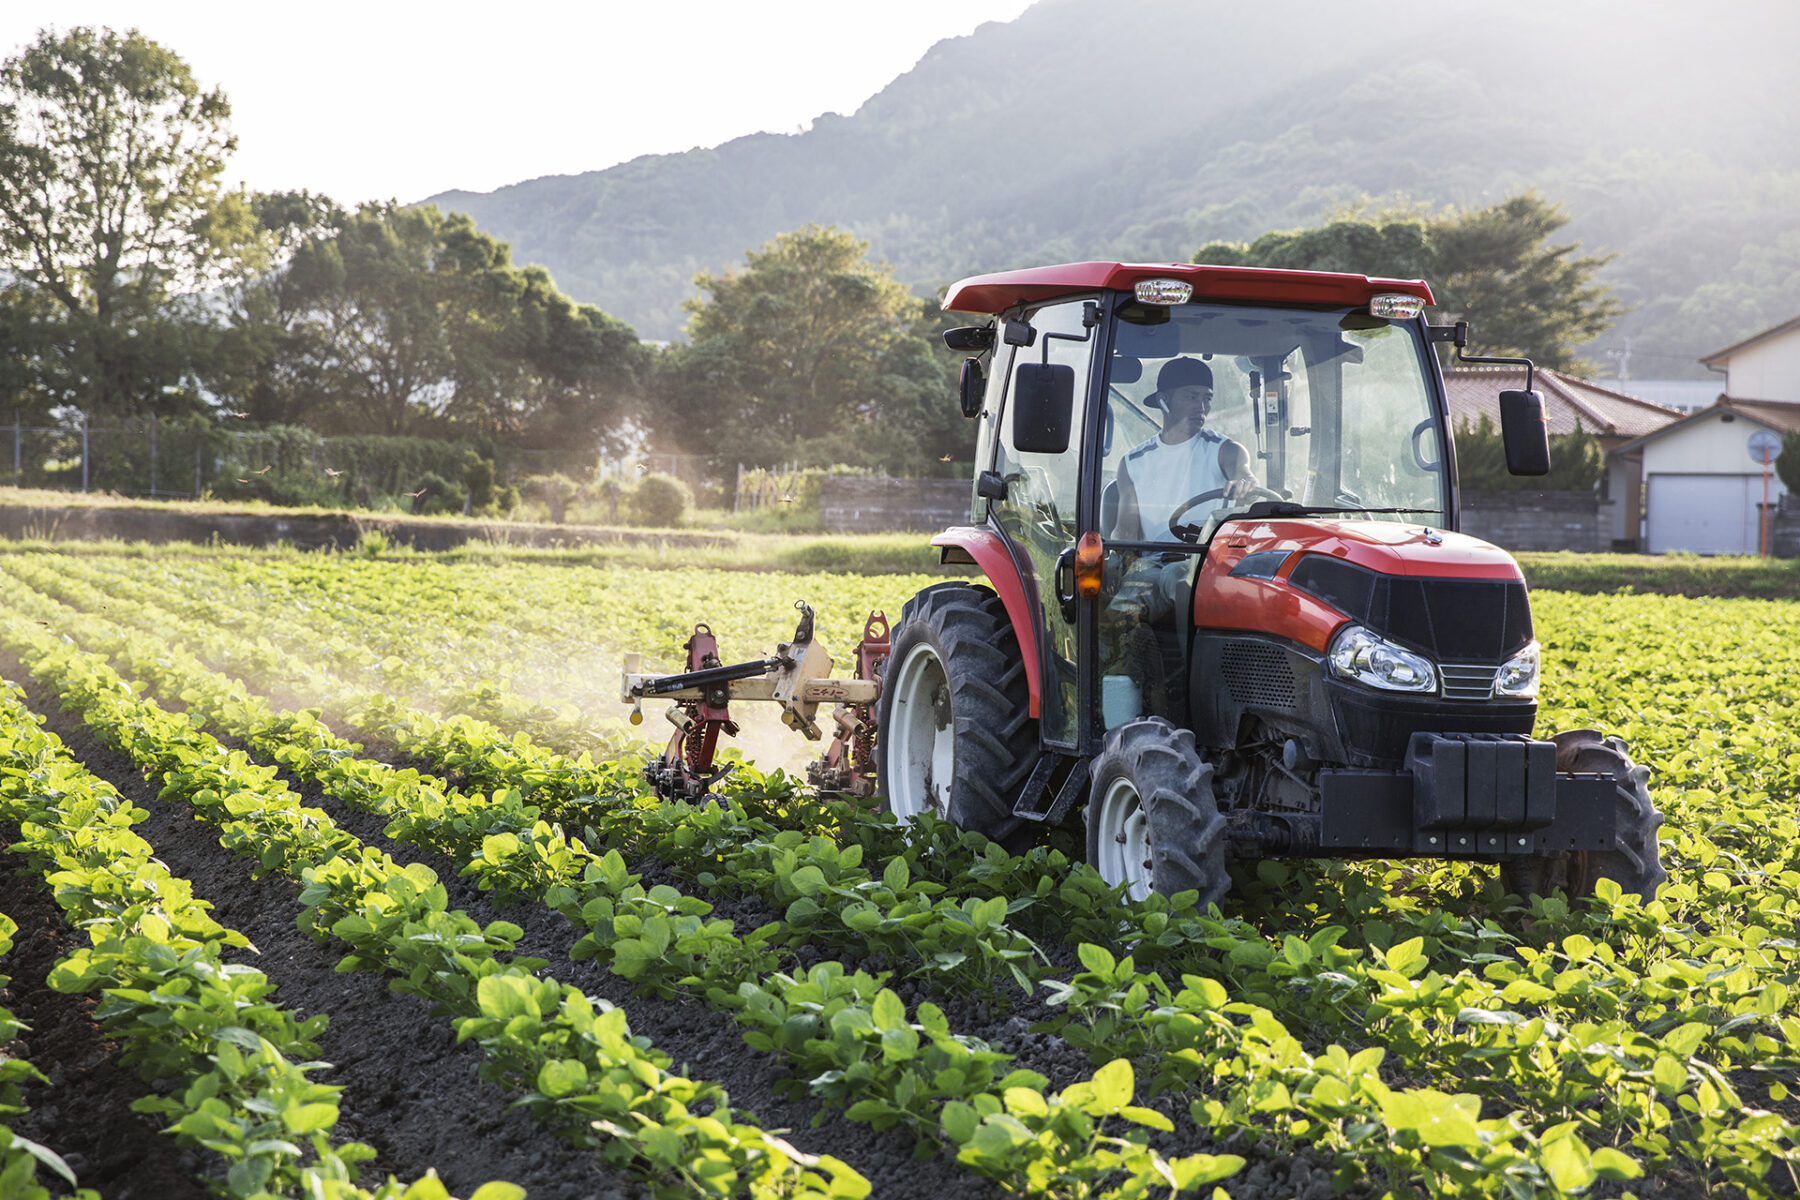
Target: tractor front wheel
point(1636, 865)
point(956, 734)
point(1153, 821)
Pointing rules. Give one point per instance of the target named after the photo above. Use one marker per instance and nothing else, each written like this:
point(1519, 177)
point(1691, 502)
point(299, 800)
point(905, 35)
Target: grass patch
point(1664, 574)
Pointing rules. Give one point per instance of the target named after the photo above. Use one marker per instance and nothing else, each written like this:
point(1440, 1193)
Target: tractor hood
point(1385, 547)
point(1452, 596)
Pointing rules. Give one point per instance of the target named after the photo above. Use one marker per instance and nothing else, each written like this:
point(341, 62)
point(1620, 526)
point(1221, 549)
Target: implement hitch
point(796, 677)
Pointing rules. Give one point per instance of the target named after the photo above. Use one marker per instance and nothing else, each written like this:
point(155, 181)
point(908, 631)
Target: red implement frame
point(689, 757)
point(848, 765)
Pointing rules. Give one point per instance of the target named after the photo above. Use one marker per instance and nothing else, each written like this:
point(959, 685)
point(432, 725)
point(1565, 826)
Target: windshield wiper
point(1286, 508)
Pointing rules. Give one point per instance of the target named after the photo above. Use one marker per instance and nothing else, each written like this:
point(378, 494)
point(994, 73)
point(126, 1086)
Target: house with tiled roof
point(1709, 483)
point(1613, 417)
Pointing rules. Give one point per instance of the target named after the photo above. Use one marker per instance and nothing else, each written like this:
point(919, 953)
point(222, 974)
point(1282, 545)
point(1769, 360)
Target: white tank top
point(1166, 475)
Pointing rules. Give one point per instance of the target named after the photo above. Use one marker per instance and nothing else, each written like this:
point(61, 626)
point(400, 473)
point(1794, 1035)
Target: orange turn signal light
point(1090, 565)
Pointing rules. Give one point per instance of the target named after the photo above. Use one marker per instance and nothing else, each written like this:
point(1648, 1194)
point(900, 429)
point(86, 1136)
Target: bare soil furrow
point(84, 1112)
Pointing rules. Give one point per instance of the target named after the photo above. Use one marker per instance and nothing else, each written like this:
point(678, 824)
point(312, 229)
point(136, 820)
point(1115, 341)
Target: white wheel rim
point(1123, 837)
point(921, 741)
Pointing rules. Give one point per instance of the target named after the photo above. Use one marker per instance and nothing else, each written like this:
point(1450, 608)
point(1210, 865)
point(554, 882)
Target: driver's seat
point(1109, 508)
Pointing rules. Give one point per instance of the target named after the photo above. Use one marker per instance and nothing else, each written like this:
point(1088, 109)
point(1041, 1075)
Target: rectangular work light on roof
point(1164, 291)
point(1396, 306)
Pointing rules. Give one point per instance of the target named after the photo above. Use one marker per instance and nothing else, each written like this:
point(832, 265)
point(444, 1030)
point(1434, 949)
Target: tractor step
point(1031, 803)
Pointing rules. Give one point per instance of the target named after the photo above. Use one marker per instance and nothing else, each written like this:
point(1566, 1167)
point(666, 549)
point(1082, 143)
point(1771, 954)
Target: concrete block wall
point(1511, 520)
point(857, 504)
point(1538, 520)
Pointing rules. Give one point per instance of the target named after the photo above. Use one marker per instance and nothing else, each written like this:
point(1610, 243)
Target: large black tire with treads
point(1636, 865)
point(956, 736)
point(1153, 819)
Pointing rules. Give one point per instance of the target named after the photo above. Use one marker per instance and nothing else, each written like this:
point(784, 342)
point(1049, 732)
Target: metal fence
point(184, 459)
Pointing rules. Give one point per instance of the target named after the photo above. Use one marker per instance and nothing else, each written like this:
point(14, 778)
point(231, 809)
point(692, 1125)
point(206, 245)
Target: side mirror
point(1523, 433)
point(970, 337)
point(1043, 406)
point(972, 387)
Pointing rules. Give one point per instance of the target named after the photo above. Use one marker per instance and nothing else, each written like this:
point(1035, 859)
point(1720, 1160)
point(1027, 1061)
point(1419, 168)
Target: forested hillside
point(1147, 128)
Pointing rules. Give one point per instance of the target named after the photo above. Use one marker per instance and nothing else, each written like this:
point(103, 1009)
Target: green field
point(1365, 1027)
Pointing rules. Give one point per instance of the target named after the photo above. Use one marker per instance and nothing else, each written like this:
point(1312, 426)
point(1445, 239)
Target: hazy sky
point(380, 99)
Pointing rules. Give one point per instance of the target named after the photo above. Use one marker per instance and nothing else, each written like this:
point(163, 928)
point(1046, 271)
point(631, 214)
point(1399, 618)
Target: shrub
point(435, 494)
point(1787, 462)
point(1576, 462)
point(478, 479)
point(555, 491)
point(661, 500)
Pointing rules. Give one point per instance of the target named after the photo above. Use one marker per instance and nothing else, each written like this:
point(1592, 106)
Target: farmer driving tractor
point(1185, 459)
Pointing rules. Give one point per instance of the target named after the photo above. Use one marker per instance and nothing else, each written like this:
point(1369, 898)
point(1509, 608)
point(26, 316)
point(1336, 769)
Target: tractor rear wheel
point(1153, 820)
point(1636, 866)
point(956, 734)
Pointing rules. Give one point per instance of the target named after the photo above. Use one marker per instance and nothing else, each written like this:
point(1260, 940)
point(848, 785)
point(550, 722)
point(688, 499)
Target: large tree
point(267, 353)
point(112, 221)
point(409, 321)
point(811, 354)
point(1494, 267)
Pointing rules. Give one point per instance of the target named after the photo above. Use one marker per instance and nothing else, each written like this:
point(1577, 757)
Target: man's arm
point(1234, 464)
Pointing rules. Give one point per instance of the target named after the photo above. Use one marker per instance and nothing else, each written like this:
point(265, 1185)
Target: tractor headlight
point(1518, 677)
point(1357, 653)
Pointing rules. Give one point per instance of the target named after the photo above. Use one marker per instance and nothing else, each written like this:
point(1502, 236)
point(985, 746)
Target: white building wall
point(1710, 446)
point(1769, 370)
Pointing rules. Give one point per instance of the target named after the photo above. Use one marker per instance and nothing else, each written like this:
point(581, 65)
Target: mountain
point(1146, 128)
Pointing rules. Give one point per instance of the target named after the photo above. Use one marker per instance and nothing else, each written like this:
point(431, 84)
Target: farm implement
point(797, 677)
point(1227, 612)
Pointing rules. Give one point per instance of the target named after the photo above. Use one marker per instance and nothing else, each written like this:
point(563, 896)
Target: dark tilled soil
point(84, 1113)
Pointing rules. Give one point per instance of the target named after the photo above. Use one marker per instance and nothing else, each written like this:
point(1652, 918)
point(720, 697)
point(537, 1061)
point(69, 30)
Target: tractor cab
point(1130, 421)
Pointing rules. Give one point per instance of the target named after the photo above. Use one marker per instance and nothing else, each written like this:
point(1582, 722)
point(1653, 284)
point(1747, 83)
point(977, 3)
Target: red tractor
point(1227, 609)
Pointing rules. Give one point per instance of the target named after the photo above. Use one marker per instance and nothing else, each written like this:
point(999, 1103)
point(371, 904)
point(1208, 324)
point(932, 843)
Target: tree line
point(133, 283)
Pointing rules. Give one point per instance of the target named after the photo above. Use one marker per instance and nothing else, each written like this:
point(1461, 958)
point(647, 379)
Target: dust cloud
point(582, 685)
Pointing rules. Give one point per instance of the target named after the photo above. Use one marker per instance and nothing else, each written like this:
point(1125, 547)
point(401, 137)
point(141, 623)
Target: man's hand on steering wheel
point(1240, 488)
point(1234, 492)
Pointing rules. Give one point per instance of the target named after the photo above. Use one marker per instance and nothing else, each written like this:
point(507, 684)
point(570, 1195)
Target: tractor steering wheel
point(1191, 533)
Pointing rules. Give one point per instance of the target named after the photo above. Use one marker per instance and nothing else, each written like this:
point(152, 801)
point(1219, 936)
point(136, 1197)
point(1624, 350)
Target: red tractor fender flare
point(986, 549)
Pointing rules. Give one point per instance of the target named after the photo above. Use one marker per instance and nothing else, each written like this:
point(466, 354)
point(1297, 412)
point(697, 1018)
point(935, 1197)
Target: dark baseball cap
point(1179, 373)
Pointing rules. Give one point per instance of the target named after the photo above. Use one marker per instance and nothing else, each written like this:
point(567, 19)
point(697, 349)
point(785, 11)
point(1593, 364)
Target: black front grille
point(1467, 681)
point(1474, 620)
point(1258, 673)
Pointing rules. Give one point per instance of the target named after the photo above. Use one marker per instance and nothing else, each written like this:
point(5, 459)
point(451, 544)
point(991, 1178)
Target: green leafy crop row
point(177, 1010)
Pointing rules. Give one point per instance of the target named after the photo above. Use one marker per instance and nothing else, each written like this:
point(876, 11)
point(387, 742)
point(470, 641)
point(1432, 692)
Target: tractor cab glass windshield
point(1210, 408)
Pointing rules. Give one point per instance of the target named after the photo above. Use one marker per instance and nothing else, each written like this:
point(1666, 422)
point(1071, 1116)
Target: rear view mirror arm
point(1489, 360)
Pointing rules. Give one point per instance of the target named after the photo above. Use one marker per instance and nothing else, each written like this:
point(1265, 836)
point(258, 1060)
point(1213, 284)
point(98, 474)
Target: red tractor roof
point(1000, 291)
